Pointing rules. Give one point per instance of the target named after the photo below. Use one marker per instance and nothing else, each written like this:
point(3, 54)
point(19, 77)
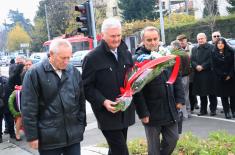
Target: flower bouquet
point(145, 70)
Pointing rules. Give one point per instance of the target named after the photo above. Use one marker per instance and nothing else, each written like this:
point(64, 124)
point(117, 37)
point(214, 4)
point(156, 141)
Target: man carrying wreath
point(157, 104)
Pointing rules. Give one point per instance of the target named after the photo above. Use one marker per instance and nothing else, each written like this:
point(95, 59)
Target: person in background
point(203, 79)
point(27, 65)
point(103, 71)
point(187, 47)
point(157, 104)
point(53, 103)
point(223, 61)
point(215, 37)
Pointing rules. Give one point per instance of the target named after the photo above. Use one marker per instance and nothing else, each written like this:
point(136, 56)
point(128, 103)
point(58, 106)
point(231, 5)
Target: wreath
point(12, 103)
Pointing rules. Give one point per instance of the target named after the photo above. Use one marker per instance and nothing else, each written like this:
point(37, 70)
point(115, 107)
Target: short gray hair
point(56, 43)
point(148, 28)
point(110, 23)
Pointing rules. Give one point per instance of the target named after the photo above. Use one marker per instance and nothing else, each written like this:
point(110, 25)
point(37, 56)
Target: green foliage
point(17, 36)
point(17, 17)
point(217, 143)
point(137, 9)
point(231, 9)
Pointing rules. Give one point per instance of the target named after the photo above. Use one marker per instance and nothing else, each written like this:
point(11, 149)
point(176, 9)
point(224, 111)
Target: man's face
point(151, 40)
point(28, 64)
point(112, 36)
point(183, 42)
point(215, 36)
point(201, 39)
point(60, 59)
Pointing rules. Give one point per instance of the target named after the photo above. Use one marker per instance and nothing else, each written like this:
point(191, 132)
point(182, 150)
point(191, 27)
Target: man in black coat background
point(158, 103)
point(104, 71)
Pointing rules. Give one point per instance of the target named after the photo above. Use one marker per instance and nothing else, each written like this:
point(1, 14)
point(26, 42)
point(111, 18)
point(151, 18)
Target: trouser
point(228, 104)
point(192, 98)
point(169, 140)
point(204, 102)
point(117, 141)
point(74, 149)
point(186, 108)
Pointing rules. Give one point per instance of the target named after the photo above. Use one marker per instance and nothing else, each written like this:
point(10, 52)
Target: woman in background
point(223, 60)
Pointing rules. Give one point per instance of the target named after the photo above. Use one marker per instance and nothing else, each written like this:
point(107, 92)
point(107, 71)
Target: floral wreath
point(14, 98)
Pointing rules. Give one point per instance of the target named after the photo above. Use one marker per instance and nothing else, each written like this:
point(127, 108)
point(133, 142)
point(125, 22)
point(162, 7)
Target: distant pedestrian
point(203, 76)
point(53, 103)
point(223, 61)
point(104, 71)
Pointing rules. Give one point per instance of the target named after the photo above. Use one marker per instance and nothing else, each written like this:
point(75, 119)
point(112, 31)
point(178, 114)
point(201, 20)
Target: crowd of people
point(53, 94)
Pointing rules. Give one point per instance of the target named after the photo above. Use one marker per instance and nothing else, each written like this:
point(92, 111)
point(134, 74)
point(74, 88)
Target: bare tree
point(211, 12)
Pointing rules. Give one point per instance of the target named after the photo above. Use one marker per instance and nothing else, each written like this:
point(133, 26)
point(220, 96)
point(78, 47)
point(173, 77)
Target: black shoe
point(6, 131)
point(13, 136)
point(0, 139)
point(202, 113)
point(227, 115)
point(196, 106)
point(213, 113)
point(233, 114)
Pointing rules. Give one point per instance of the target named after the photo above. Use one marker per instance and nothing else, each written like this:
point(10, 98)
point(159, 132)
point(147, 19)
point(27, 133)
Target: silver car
point(78, 57)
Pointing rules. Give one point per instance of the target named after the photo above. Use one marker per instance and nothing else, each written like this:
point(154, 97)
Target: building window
point(115, 13)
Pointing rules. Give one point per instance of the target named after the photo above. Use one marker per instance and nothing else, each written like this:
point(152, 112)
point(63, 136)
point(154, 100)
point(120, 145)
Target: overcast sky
point(27, 7)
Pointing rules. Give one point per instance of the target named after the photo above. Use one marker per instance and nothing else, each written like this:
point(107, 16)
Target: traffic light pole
point(93, 23)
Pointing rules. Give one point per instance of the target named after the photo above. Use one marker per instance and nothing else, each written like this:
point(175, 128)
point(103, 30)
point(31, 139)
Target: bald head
point(201, 38)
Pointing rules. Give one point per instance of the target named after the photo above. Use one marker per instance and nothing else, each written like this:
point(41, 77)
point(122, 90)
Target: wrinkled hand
point(227, 78)
point(199, 68)
point(109, 105)
point(34, 144)
point(179, 105)
point(145, 119)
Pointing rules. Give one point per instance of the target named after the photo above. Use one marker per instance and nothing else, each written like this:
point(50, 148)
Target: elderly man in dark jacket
point(53, 103)
point(158, 103)
point(204, 79)
point(104, 71)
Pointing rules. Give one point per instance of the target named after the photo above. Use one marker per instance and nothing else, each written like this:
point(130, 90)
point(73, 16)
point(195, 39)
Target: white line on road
point(215, 118)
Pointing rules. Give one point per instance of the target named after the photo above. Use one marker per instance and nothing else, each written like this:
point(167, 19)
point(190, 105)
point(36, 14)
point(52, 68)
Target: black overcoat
point(103, 77)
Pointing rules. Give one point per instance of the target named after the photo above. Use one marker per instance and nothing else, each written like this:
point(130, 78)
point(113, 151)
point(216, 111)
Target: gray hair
point(110, 23)
point(175, 45)
point(56, 43)
point(148, 28)
point(201, 34)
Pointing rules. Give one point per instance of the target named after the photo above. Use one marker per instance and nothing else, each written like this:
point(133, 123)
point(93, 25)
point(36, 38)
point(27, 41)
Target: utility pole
point(93, 23)
point(48, 31)
point(186, 6)
point(162, 23)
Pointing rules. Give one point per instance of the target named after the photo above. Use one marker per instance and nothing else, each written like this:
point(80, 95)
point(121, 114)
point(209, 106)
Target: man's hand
point(145, 119)
point(199, 68)
point(179, 105)
point(109, 105)
point(34, 144)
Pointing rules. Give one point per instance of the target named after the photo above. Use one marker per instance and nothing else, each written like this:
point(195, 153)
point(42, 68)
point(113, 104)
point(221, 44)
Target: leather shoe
point(196, 106)
point(233, 113)
point(201, 114)
point(213, 113)
point(13, 136)
point(0, 139)
point(227, 116)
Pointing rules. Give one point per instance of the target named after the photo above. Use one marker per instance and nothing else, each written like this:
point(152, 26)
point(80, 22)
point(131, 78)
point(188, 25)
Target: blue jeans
point(74, 149)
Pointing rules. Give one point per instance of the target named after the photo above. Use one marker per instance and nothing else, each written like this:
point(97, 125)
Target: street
point(199, 125)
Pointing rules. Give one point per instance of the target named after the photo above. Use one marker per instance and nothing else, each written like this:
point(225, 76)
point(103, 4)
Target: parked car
point(78, 57)
point(36, 57)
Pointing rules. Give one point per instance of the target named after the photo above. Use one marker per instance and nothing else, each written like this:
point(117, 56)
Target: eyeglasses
point(216, 36)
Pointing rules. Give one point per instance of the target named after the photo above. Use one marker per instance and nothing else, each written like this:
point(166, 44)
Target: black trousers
point(117, 141)
point(192, 98)
point(204, 102)
point(227, 105)
point(9, 121)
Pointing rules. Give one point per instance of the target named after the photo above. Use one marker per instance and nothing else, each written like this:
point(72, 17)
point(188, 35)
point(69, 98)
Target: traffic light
point(84, 18)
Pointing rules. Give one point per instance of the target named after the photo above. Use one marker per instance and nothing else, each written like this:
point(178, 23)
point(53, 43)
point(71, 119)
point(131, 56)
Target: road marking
point(215, 118)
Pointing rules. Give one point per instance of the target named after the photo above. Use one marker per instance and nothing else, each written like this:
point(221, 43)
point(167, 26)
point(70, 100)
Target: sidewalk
point(12, 147)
